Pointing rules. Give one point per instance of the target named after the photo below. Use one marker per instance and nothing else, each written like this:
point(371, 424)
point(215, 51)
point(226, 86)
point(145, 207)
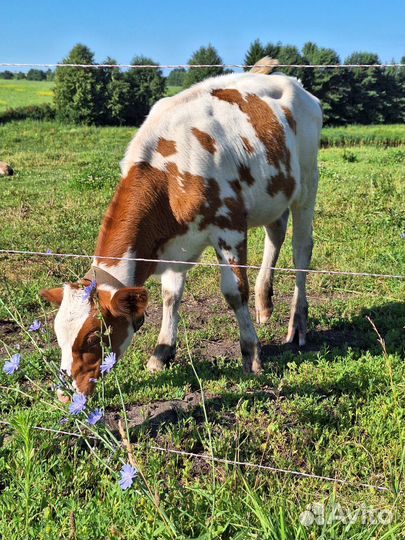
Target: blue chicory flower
point(128, 473)
point(109, 363)
point(95, 416)
point(78, 404)
point(88, 291)
point(35, 326)
point(49, 252)
point(10, 366)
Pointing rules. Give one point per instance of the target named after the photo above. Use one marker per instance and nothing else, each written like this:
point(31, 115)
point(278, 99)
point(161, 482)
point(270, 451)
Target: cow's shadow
point(356, 335)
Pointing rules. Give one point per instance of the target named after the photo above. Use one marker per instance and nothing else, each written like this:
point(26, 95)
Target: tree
point(36, 75)
point(204, 55)
point(367, 98)
point(176, 77)
point(289, 54)
point(77, 93)
point(331, 86)
point(146, 86)
point(255, 52)
point(7, 74)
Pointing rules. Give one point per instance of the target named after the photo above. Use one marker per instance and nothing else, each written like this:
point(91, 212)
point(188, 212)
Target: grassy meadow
point(335, 408)
point(19, 93)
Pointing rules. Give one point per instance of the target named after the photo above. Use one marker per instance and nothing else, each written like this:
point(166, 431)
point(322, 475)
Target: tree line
point(112, 96)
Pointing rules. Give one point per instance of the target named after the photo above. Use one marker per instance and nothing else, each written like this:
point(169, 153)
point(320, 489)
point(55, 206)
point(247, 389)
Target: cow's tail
point(265, 65)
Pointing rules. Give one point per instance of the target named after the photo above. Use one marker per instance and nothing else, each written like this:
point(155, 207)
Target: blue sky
point(45, 30)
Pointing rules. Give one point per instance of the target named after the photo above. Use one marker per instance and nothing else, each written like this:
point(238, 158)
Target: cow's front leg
point(172, 291)
point(231, 250)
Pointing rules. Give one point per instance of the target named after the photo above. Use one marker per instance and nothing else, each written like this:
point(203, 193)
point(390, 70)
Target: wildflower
point(35, 326)
point(49, 252)
point(10, 366)
point(89, 290)
point(95, 416)
point(78, 404)
point(63, 421)
point(109, 363)
point(128, 473)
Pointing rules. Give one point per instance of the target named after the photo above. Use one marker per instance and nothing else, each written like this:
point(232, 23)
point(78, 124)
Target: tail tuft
point(265, 65)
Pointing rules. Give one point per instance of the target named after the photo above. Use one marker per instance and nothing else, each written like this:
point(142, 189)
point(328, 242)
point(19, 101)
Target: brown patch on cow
point(281, 182)
point(222, 244)
point(165, 147)
point(247, 145)
point(86, 350)
point(235, 218)
point(206, 141)
point(186, 193)
point(269, 131)
point(139, 217)
point(265, 122)
point(245, 175)
point(290, 118)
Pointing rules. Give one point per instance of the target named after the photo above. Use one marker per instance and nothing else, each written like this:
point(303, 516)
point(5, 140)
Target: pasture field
point(335, 408)
point(17, 93)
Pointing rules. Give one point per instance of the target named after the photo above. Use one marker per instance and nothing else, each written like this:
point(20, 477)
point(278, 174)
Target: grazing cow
point(231, 152)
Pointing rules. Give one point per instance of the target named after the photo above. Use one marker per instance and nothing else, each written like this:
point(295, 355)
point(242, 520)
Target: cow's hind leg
point(235, 287)
point(302, 252)
point(172, 291)
point(275, 234)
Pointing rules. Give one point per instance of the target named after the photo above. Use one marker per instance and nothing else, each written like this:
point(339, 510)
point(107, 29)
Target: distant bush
point(44, 111)
point(206, 56)
point(79, 94)
point(36, 75)
point(105, 95)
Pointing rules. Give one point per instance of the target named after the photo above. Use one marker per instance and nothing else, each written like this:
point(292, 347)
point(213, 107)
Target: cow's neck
point(138, 222)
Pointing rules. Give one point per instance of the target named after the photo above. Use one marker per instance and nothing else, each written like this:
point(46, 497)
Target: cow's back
point(257, 130)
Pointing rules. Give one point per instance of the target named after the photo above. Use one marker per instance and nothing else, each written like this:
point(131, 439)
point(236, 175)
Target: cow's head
point(82, 321)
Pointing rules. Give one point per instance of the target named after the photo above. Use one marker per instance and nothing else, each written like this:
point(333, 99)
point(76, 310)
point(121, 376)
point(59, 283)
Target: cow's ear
point(54, 296)
point(129, 302)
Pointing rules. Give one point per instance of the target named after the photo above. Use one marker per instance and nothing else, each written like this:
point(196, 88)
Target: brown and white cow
point(231, 152)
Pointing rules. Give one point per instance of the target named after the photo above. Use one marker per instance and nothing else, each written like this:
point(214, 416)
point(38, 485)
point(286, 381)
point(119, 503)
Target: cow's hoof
point(251, 354)
point(294, 329)
point(155, 364)
point(263, 315)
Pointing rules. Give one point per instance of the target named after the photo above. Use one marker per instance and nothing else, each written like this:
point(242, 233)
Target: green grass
point(379, 135)
point(336, 408)
point(173, 90)
point(14, 93)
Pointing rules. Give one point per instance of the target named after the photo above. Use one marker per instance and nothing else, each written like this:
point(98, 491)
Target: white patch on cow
point(123, 270)
point(69, 320)
point(107, 288)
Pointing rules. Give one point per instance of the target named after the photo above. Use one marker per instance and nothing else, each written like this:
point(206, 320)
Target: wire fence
point(224, 461)
point(200, 66)
point(199, 263)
